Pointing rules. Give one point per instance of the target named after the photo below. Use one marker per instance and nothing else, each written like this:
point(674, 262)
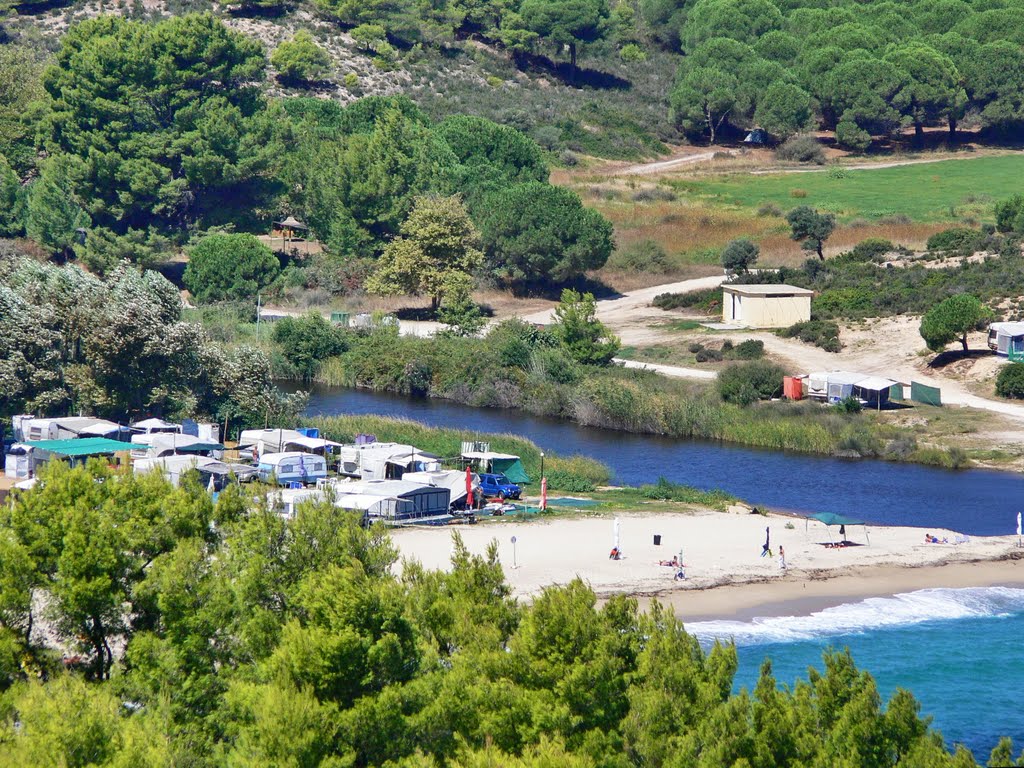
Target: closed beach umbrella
point(615, 533)
point(469, 487)
point(1018, 523)
point(543, 493)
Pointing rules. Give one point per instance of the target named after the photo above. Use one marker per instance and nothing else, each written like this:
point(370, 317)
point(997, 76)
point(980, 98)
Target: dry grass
point(778, 250)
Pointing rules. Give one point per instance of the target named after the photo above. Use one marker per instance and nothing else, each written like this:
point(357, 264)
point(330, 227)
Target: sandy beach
point(726, 576)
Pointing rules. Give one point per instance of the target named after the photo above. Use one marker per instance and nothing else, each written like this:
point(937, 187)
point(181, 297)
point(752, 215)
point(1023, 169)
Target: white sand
point(719, 548)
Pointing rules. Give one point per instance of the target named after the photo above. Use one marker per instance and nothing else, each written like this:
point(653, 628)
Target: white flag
point(1018, 523)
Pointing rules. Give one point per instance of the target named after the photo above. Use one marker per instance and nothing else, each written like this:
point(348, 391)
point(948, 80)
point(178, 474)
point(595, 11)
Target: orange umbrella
point(543, 493)
point(469, 488)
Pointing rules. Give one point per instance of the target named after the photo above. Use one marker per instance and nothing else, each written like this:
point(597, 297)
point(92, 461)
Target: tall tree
point(932, 88)
point(438, 239)
point(811, 227)
point(952, 319)
point(566, 22)
point(538, 234)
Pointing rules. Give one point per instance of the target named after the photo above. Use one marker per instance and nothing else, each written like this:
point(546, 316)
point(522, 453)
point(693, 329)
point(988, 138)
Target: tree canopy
point(229, 267)
point(536, 232)
point(951, 320)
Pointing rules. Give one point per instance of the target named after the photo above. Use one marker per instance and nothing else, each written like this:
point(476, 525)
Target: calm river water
point(975, 502)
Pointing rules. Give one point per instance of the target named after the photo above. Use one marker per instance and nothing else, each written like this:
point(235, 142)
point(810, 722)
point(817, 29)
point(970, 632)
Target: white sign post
point(514, 563)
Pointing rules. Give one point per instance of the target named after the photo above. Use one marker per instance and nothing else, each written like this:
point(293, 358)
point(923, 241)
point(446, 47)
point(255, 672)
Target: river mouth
point(976, 502)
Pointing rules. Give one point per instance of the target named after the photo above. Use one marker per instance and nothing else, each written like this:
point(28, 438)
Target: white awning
point(313, 443)
point(875, 383)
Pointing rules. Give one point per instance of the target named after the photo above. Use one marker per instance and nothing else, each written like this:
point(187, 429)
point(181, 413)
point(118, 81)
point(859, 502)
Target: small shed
point(1006, 339)
point(765, 306)
point(292, 467)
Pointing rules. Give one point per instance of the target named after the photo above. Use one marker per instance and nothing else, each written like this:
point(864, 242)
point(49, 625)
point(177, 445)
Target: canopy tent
point(874, 390)
point(81, 446)
point(829, 519)
point(507, 464)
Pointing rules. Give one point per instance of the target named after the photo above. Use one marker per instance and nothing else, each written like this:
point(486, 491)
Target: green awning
point(82, 446)
point(511, 468)
point(829, 518)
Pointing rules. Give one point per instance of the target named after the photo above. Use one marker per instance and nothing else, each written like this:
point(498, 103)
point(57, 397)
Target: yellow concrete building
point(765, 306)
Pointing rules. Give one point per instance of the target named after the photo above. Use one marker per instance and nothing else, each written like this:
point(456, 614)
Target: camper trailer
point(292, 467)
point(1006, 339)
point(384, 461)
point(158, 444)
point(453, 480)
point(262, 441)
point(173, 467)
point(29, 428)
point(407, 501)
point(155, 426)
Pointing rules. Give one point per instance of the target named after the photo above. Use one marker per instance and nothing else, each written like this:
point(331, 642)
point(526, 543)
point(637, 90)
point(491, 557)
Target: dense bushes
point(709, 300)
point(745, 383)
point(1010, 381)
point(956, 240)
point(801, 149)
point(750, 349)
point(821, 333)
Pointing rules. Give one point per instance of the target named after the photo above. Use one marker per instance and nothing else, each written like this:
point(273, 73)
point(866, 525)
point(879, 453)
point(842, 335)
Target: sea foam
point(925, 605)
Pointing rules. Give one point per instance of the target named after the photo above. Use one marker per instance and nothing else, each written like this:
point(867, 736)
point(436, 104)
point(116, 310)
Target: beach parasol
point(1018, 529)
point(615, 533)
point(543, 493)
point(469, 487)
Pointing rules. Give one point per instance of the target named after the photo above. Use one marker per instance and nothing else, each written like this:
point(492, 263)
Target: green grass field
point(939, 191)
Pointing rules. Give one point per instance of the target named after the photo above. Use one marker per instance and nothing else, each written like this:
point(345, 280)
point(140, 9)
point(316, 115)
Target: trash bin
point(657, 539)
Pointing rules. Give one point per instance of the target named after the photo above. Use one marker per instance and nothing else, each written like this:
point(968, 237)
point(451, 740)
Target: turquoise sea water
point(959, 651)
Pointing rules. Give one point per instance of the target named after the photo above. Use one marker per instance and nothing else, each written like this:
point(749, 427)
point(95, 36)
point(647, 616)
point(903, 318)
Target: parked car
point(499, 485)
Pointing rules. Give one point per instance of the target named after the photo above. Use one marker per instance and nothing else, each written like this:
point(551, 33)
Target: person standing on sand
point(782, 558)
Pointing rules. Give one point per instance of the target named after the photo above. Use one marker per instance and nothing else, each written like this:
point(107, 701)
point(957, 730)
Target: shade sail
point(82, 446)
point(511, 468)
point(830, 518)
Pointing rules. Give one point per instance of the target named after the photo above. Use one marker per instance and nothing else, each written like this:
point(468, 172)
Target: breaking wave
point(925, 605)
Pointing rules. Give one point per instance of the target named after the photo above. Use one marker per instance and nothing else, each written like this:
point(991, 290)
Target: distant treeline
point(138, 137)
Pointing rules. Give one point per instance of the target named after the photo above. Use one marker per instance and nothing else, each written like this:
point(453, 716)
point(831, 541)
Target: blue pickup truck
point(499, 485)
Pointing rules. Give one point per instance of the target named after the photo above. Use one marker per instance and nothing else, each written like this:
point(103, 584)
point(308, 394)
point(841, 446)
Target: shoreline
point(807, 593)
point(726, 576)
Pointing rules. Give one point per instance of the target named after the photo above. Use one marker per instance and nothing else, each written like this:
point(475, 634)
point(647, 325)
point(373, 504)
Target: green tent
point(511, 468)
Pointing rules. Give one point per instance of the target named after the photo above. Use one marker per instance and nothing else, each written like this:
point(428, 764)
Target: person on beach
point(782, 558)
point(765, 550)
point(615, 554)
point(842, 533)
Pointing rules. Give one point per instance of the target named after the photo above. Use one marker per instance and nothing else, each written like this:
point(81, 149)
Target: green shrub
point(664, 490)
point(641, 256)
point(821, 333)
point(958, 240)
point(744, 383)
point(801, 149)
point(695, 347)
point(306, 341)
point(1010, 381)
point(849, 405)
point(709, 300)
point(852, 136)
point(751, 349)
point(706, 355)
point(871, 249)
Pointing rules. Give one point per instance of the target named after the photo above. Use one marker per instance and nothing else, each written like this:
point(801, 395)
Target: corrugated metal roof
point(82, 446)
